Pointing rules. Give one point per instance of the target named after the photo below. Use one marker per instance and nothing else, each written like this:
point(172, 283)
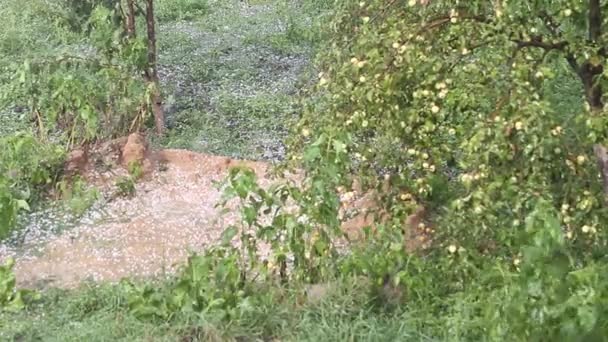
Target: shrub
point(454, 105)
point(27, 166)
point(79, 12)
point(466, 123)
point(77, 195)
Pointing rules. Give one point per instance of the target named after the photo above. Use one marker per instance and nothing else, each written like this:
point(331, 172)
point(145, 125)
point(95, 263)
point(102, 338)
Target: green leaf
point(228, 234)
point(22, 204)
point(250, 215)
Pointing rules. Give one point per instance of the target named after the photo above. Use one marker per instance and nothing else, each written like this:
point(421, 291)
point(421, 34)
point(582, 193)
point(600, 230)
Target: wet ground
point(172, 214)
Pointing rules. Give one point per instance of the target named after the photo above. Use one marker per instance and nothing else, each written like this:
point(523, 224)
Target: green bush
point(125, 186)
point(208, 283)
point(83, 95)
point(77, 195)
point(27, 166)
point(483, 113)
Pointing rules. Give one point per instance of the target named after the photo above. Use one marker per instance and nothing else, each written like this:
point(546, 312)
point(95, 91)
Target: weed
point(125, 186)
point(135, 169)
point(11, 298)
point(77, 195)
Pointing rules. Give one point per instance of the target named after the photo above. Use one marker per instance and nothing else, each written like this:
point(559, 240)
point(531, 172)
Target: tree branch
point(537, 41)
point(438, 21)
point(151, 73)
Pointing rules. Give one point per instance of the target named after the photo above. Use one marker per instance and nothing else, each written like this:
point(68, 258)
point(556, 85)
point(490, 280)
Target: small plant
point(125, 186)
point(77, 195)
point(135, 169)
point(10, 298)
point(210, 282)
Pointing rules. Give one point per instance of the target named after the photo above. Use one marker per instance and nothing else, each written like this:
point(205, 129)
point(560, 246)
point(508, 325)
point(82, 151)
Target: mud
point(172, 214)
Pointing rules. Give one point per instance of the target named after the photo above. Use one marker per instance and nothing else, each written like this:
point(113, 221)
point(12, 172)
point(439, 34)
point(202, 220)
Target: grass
point(100, 313)
point(229, 71)
point(91, 314)
point(234, 125)
point(170, 10)
point(232, 79)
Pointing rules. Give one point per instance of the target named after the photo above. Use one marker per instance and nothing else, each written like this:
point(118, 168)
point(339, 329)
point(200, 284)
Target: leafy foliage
point(91, 88)
point(80, 11)
point(26, 166)
point(11, 298)
point(412, 91)
point(77, 194)
point(451, 103)
point(208, 283)
point(125, 186)
point(82, 95)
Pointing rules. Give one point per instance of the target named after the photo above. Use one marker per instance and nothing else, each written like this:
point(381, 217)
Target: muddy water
point(172, 213)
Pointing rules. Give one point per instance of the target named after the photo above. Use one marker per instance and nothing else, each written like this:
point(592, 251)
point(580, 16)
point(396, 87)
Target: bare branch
point(537, 41)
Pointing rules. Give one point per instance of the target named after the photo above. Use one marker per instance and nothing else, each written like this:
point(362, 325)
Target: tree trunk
point(589, 73)
point(130, 19)
point(593, 90)
point(602, 163)
point(152, 71)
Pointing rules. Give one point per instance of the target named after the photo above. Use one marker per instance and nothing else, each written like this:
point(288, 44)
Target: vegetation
point(85, 91)
point(12, 299)
point(232, 78)
point(488, 115)
point(25, 167)
point(77, 194)
point(170, 10)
